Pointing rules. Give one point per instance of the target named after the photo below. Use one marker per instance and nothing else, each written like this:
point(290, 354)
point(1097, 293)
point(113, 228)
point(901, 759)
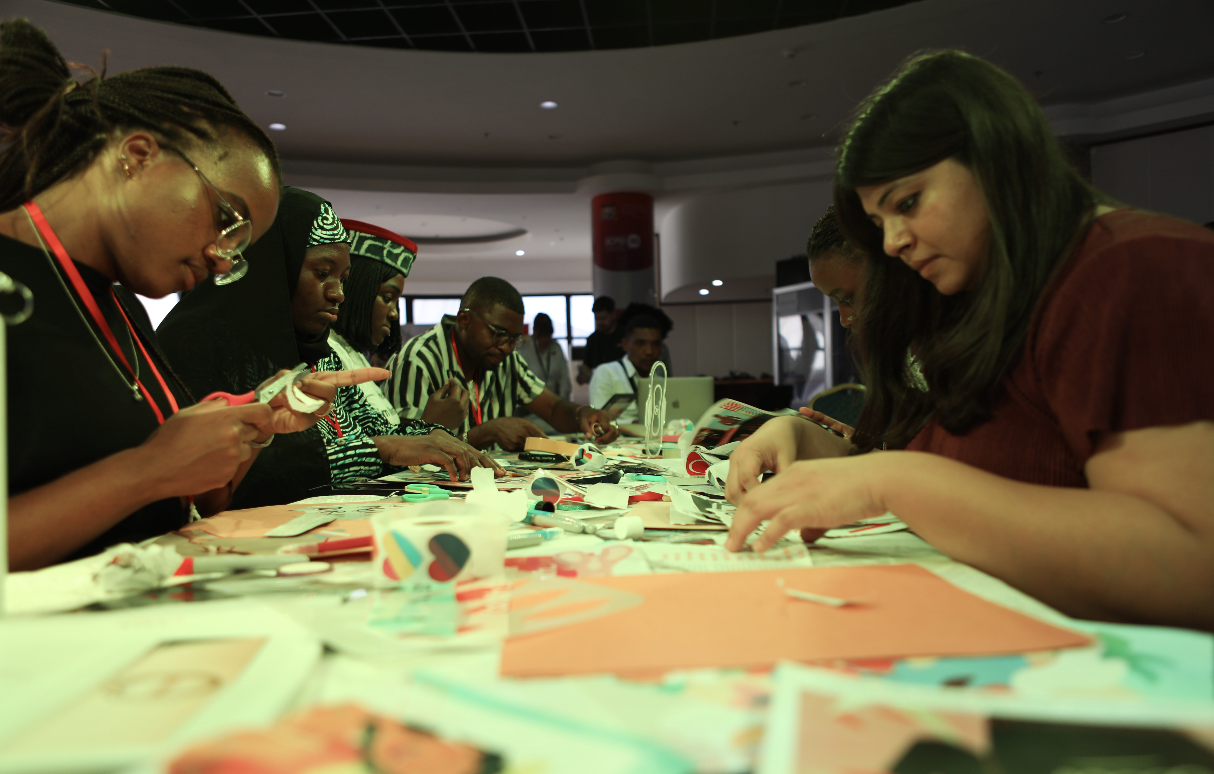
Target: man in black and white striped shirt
point(475, 348)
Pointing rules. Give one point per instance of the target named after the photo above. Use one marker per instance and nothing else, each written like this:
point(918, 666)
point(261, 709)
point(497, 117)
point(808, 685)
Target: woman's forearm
point(52, 521)
point(1090, 553)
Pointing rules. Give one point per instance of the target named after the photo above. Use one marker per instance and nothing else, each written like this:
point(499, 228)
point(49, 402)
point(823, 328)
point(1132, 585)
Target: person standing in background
point(602, 346)
point(547, 361)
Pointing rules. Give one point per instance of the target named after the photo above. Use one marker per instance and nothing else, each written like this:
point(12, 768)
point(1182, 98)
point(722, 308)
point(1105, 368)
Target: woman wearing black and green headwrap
point(281, 313)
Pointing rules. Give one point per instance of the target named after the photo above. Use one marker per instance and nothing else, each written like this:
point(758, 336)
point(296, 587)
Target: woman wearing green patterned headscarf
point(280, 313)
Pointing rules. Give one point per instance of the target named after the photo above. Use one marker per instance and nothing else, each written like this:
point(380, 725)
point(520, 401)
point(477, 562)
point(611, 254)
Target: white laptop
point(687, 397)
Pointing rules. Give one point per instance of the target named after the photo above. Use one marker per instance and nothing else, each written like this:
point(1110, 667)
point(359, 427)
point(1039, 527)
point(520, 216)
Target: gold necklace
point(134, 387)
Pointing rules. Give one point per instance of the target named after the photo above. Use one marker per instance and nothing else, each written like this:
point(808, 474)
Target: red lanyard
point(90, 303)
point(332, 420)
point(476, 407)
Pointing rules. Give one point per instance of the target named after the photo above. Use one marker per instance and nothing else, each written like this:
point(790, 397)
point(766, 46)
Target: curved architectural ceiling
point(499, 26)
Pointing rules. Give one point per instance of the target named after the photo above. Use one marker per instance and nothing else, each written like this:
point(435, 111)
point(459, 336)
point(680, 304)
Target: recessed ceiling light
point(717, 283)
point(1135, 54)
point(548, 105)
point(278, 127)
point(520, 252)
point(703, 291)
point(1117, 17)
point(276, 93)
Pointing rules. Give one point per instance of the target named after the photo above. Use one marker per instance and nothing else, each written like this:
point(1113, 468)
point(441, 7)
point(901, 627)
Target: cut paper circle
point(546, 489)
point(402, 556)
point(696, 465)
point(450, 556)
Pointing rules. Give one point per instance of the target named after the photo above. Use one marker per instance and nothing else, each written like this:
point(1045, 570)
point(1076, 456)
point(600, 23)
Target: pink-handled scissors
point(267, 391)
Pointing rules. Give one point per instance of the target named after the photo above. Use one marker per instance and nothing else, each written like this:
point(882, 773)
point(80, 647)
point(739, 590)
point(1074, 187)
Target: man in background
point(603, 345)
point(547, 361)
point(642, 346)
point(477, 348)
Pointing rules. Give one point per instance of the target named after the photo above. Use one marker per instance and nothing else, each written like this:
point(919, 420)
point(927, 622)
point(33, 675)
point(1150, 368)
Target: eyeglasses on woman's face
point(501, 336)
point(235, 230)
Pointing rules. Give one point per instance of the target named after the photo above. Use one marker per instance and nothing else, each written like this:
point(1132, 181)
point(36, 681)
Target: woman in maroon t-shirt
point(1065, 442)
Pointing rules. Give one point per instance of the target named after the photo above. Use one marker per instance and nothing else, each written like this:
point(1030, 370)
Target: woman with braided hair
point(152, 179)
point(368, 318)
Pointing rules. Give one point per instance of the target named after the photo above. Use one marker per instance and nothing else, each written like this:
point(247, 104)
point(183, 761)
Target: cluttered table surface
point(579, 615)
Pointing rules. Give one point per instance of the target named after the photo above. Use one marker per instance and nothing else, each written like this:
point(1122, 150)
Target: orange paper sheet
point(256, 522)
point(694, 621)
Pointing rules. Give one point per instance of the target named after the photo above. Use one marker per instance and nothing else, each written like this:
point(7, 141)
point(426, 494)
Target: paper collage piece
point(663, 556)
point(313, 516)
point(830, 724)
point(618, 559)
point(744, 620)
point(694, 505)
point(728, 421)
point(1125, 661)
point(657, 516)
point(541, 606)
point(878, 525)
point(328, 739)
point(144, 702)
point(261, 522)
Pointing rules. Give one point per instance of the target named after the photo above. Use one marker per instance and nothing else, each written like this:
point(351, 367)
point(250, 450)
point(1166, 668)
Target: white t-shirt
point(613, 378)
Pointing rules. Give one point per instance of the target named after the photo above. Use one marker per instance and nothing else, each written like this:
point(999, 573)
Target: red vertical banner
point(623, 231)
point(622, 235)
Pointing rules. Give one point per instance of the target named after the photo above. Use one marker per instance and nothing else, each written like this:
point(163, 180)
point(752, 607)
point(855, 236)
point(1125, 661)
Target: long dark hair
point(354, 314)
point(936, 106)
point(55, 127)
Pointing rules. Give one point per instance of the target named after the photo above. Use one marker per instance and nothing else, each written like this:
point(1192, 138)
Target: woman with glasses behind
point(96, 188)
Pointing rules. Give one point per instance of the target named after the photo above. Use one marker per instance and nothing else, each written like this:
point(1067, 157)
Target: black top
point(233, 337)
point(603, 347)
point(67, 407)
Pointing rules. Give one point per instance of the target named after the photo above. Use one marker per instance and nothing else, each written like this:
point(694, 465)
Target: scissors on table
point(267, 391)
point(420, 493)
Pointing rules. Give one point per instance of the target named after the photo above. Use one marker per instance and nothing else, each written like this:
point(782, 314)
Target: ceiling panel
point(496, 25)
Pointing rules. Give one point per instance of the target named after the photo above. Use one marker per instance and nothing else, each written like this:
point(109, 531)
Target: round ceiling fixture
point(276, 127)
point(717, 283)
point(520, 252)
point(703, 291)
point(277, 93)
point(548, 105)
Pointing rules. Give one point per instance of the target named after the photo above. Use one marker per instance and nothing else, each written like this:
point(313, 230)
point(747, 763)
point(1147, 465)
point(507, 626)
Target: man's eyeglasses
point(234, 236)
point(500, 335)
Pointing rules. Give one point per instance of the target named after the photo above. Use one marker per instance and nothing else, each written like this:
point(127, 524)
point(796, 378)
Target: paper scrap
point(691, 507)
point(664, 556)
point(607, 496)
point(483, 480)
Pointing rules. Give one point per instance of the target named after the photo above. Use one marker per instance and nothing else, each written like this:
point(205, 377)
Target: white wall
point(714, 339)
point(1171, 173)
point(738, 233)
